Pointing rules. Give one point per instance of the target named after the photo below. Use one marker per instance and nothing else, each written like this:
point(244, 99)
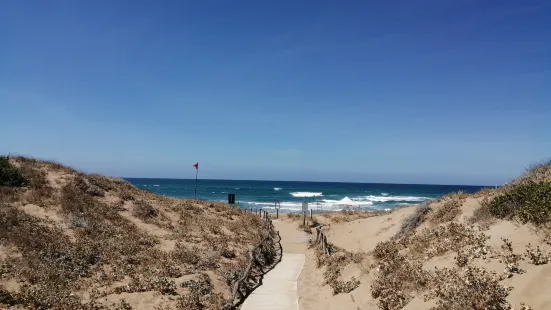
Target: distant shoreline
point(322, 182)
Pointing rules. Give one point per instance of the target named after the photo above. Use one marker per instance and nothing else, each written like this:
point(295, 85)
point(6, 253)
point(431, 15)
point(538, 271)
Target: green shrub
point(10, 175)
point(530, 202)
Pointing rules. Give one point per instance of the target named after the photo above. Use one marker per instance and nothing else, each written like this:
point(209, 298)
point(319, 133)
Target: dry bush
point(443, 239)
point(201, 297)
point(294, 216)
point(50, 263)
point(144, 210)
point(471, 288)
point(459, 195)
point(485, 192)
point(139, 283)
point(344, 216)
point(39, 191)
point(345, 286)
point(482, 214)
point(398, 279)
point(536, 173)
point(9, 194)
point(510, 259)
point(536, 256)
point(102, 182)
point(447, 212)
point(334, 264)
point(185, 255)
point(414, 220)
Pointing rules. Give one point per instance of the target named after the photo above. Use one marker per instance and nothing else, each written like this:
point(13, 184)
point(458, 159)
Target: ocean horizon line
point(320, 182)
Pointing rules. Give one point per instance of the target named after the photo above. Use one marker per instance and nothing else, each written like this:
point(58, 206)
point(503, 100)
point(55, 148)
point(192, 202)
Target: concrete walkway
point(279, 289)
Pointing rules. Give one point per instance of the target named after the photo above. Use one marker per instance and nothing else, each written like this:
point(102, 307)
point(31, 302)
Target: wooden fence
point(256, 259)
point(321, 241)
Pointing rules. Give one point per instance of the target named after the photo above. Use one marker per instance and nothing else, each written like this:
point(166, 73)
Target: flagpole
point(196, 174)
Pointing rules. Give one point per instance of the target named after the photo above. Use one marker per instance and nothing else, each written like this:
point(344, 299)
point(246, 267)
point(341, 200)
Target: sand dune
point(454, 258)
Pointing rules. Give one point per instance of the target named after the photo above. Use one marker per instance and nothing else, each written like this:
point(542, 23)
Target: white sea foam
point(384, 194)
point(360, 202)
point(277, 188)
point(156, 185)
point(374, 198)
point(306, 194)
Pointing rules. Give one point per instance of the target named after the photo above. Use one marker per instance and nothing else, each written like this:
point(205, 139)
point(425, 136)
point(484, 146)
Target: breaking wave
point(306, 194)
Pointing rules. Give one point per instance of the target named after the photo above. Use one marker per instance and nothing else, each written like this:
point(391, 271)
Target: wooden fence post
point(322, 243)
point(310, 214)
point(304, 219)
point(277, 213)
point(317, 235)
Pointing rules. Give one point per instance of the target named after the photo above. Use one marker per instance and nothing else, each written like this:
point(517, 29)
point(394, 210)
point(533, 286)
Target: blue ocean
point(322, 196)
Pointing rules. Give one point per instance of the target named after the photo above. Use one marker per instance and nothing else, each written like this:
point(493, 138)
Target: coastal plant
point(482, 215)
point(440, 240)
point(344, 216)
point(10, 176)
point(144, 210)
point(510, 259)
point(538, 172)
point(530, 202)
point(459, 195)
point(335, 263)
point(536, 256)
point(447, 212)
point(345, 286)
point(467, 288)
point(413, 221)
point(201, 296)
point(398, 278)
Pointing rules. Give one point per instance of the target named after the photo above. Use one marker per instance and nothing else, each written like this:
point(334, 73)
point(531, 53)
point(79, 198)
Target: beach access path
point(279, 289)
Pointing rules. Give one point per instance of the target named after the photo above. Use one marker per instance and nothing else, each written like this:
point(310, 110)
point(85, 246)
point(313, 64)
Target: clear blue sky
point(439, 91)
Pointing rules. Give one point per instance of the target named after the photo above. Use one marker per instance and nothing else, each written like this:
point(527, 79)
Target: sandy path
point(279, 288)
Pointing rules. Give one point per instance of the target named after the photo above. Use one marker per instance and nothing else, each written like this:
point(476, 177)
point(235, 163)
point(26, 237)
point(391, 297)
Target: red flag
point(196, 166)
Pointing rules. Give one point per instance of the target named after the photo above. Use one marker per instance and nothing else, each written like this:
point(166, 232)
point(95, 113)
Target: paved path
point(279, 286)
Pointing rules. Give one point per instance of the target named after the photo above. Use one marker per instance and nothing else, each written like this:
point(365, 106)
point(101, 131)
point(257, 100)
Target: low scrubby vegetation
point(334, 264)
point(10, 176)
point(448, 212)
point(467, 288)
point(351, 215)
point(414, 220)
point(400, 274)
point(405, 266)
point(530, 202)
point(65, 234)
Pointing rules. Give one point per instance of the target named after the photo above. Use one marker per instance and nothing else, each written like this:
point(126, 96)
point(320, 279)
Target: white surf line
point(279, 289)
